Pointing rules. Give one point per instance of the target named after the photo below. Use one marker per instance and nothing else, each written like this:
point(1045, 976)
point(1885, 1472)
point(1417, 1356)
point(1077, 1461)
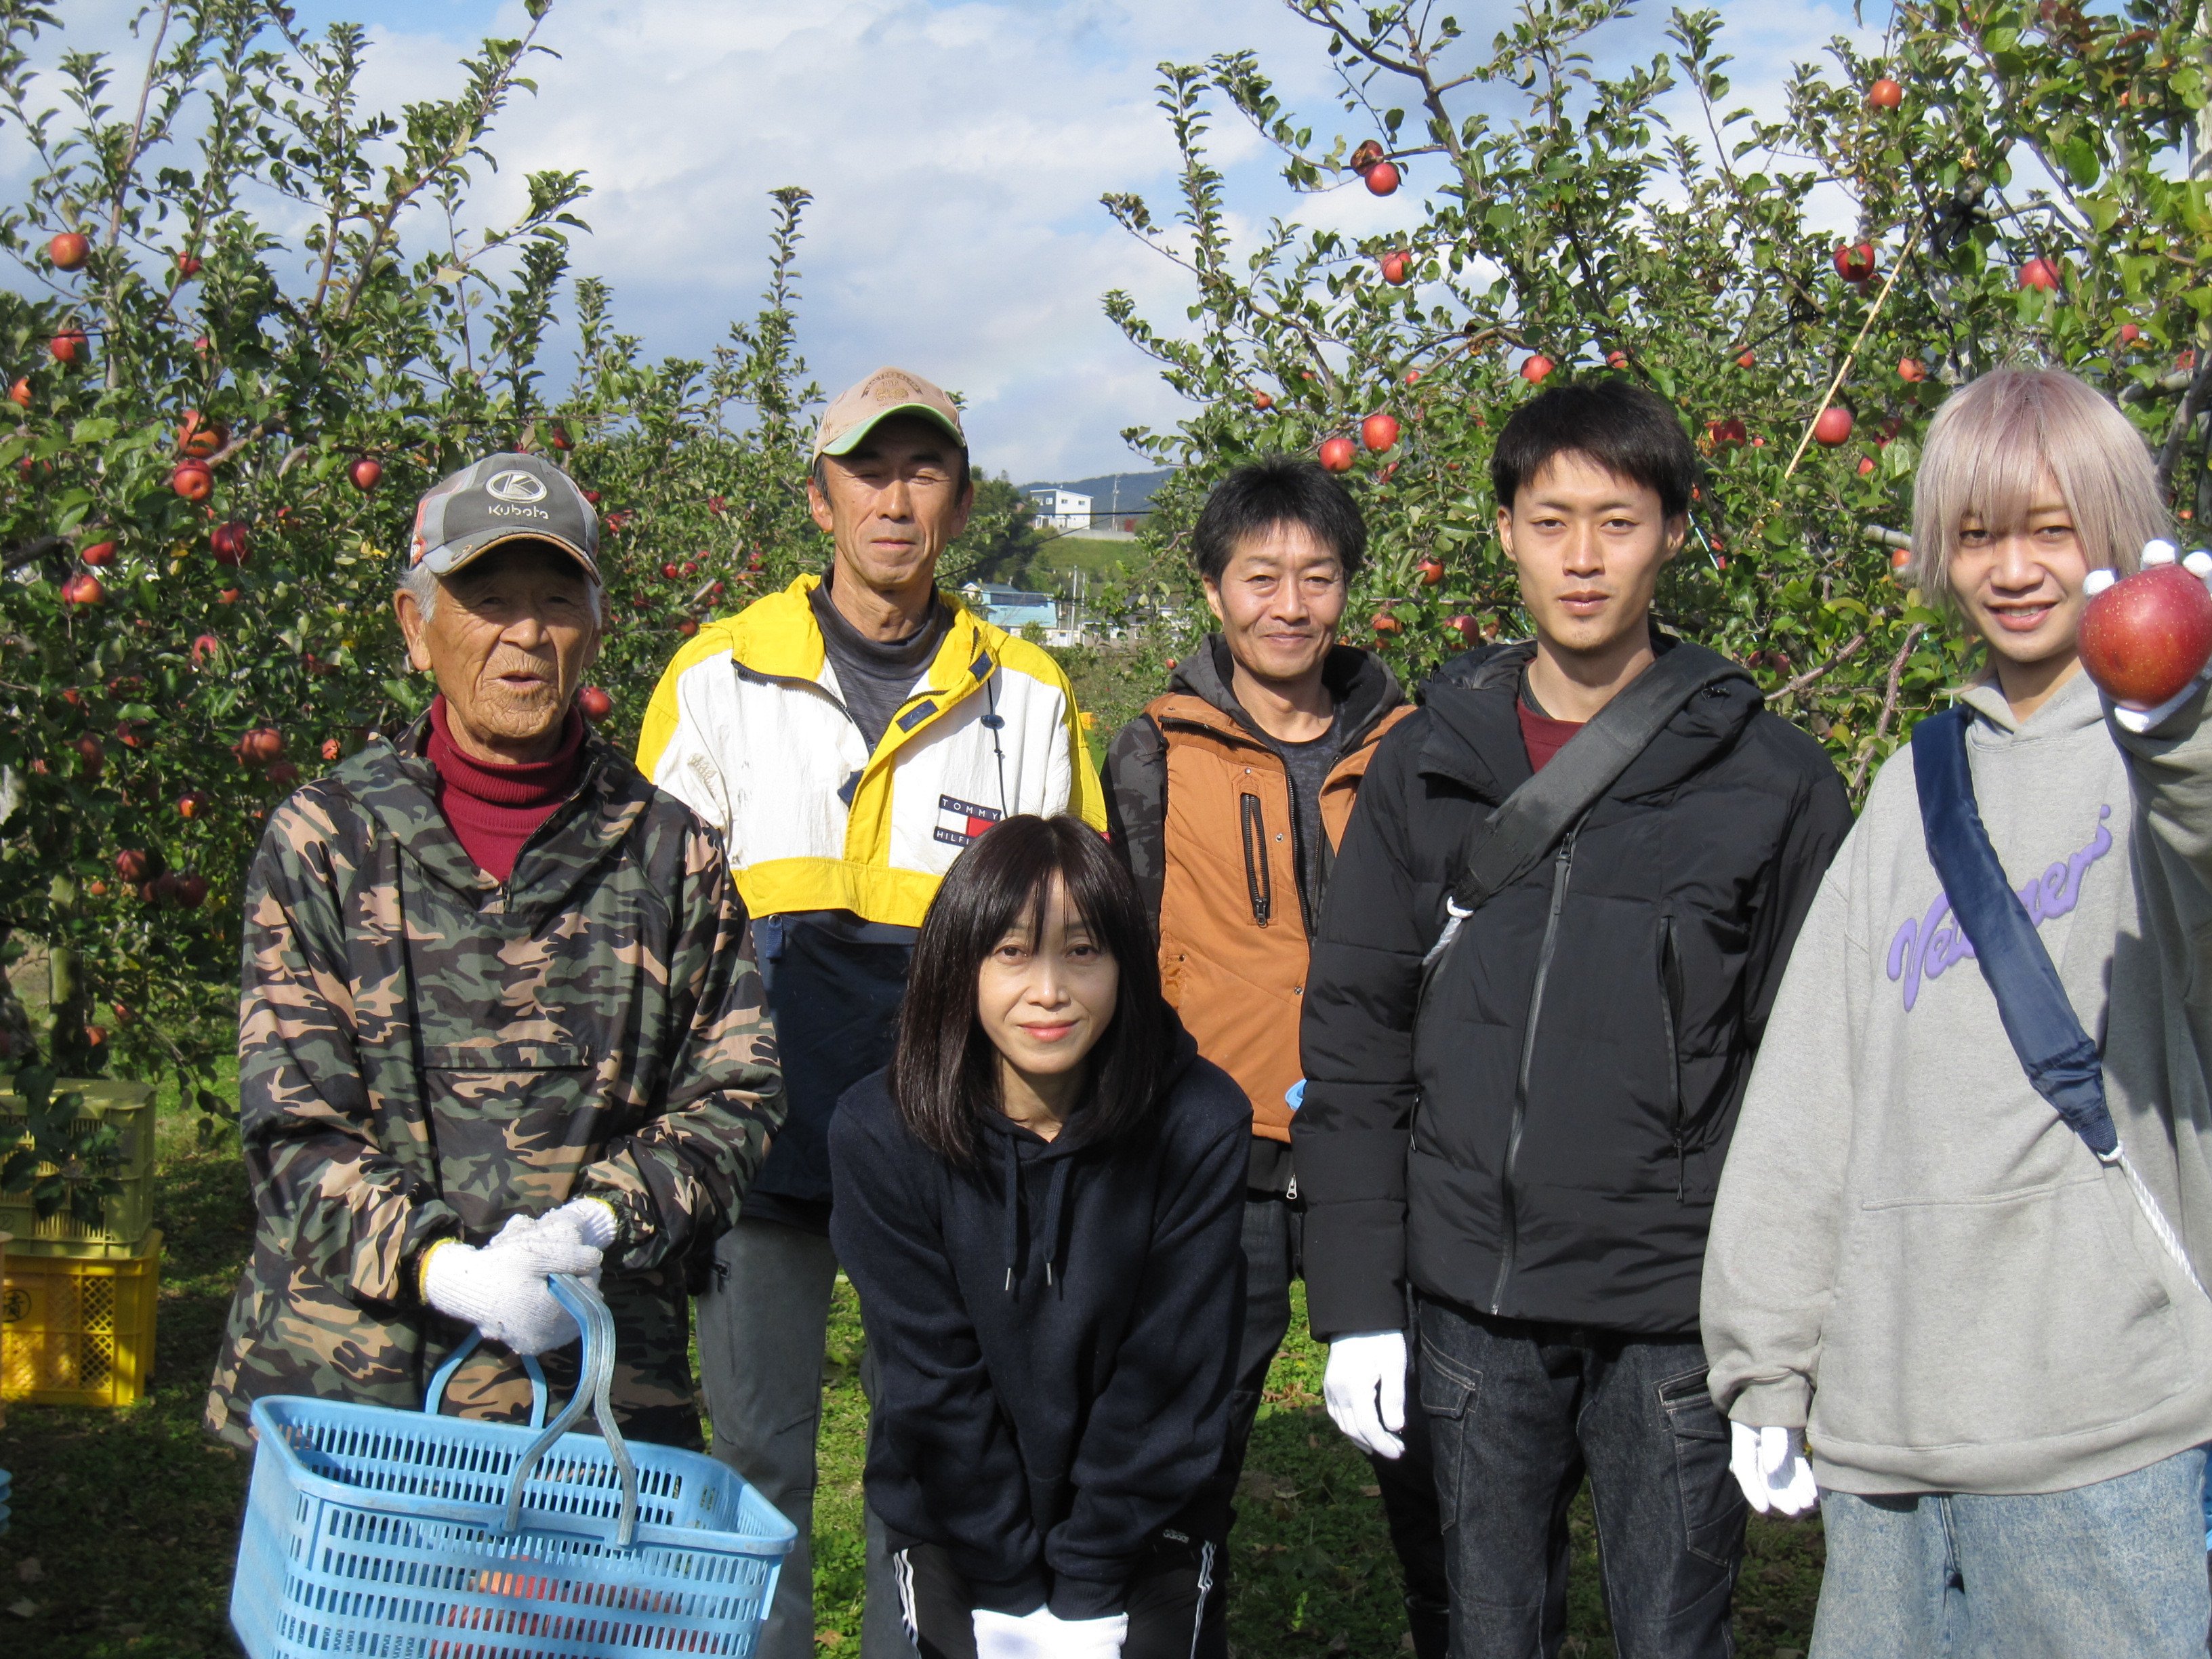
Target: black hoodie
point(1055, 1334)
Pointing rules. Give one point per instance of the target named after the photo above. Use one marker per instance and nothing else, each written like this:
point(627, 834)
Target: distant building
point(1059, 509)
point(1011, 608)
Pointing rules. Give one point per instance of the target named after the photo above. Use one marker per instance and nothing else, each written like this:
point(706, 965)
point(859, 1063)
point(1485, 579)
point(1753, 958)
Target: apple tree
point(255, 318)
point(2001, 182)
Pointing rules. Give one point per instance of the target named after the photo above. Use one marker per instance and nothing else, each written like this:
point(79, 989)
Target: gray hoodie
point(1912, 1257)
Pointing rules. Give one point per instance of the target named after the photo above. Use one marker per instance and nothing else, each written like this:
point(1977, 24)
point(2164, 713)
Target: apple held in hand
point(2145, 638)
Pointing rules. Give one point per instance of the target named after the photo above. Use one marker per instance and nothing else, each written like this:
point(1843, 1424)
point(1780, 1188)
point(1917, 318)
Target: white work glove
point(1364, 1369)
point(2197, 564)
point(1041, 1635)
point(1770, 1465)
point(500, 1289)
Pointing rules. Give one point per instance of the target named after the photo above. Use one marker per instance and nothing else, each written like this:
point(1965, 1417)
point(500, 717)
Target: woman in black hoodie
point(1039, 1203)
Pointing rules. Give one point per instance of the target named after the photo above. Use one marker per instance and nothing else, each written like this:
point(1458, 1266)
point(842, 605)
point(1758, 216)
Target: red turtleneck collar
point(493, 809)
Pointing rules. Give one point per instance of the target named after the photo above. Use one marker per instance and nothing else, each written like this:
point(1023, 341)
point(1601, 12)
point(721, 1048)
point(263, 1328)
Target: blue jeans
point(2113, 1568)
point(1518, 1412)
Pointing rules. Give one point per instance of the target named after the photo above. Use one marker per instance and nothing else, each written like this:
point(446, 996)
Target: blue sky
point(957, 149)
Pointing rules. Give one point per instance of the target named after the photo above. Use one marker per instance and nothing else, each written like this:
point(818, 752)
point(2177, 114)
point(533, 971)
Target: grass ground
point(125, 1521)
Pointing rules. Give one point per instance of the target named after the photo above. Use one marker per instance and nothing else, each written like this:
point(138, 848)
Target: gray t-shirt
point(873, 678)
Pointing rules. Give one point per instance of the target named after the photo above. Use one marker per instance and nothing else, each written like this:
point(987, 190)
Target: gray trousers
point(761, 1336)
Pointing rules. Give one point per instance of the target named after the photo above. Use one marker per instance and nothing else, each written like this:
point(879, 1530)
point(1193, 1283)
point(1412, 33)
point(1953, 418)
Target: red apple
point(192, 481)
point(1337, 454)
point(1911, 369)
point(1396, 270)
point(1746, 358)
point(192, 891)
point(67, 346)
point(365, 472)
point(1366, 156)
point(263, 744)
point(70, 250)
point(230, 543)
point(133, 864)
point(1535, 366)
point(592, 496)
point(99, 554)
point(1885, 94)
point(332, 749)
point(1855, 262)
point(1379, 432)
point(1727, 434)
point(2145, 638)
point(20, 393)
point(188, 266)
point(2039, 272)
point(1468, 629)
point(283, 774)
point(1433, 572)
point(1413, 377)
point(1616, 358)
point(83, 588)
point(95, 1035)
point(1386, 625)
point(596, 704)
point(89, 751)
point(193, 805)
point(1899, 557)
point(1866, 465)
point(199, 436)
point(228, 596)
point(1833, 427)
point(715, 505)
point(1263, 402)
point(670, 572)
point(1383, 179)
point(688, 627)
point(2129, 333)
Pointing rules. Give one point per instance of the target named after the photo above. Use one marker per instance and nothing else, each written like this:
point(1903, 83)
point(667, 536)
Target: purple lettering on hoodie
point(1925, 945)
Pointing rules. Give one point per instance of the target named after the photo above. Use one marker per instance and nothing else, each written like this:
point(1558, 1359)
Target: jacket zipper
point(1670, 1001)
point(1258, 884)
point(1562, 862)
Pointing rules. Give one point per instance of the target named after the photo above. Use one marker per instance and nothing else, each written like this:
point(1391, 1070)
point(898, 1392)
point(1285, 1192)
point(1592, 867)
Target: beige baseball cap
point(888, 392)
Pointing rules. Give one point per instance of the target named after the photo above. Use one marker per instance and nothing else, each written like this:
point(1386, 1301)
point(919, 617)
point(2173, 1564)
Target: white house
point(1059, 509)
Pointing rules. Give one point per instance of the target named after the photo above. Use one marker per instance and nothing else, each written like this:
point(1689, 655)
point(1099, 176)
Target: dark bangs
point(944, 1074)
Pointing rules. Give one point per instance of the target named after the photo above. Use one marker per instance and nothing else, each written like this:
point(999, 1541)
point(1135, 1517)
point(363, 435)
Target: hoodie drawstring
point(1013, 1208)
point(1055, 1194)
point(1055, 1199)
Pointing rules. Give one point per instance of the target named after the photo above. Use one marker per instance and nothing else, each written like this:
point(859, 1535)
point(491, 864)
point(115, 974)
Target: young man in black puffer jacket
point(1534, 1144)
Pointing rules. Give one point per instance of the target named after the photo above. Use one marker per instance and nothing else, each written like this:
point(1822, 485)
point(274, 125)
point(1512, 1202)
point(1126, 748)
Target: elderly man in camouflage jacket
point(499, 1016)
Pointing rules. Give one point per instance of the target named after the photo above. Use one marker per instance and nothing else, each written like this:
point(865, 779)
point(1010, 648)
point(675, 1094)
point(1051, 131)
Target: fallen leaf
point(1371, 1491)
point(24, 1609)
point(830, 1638)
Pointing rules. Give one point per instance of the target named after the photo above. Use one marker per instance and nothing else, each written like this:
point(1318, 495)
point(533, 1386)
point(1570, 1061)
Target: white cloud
point(957, 152)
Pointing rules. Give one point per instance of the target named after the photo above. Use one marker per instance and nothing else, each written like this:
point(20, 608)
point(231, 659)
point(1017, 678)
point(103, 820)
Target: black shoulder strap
point(2059, 1056)
point(1529, 823)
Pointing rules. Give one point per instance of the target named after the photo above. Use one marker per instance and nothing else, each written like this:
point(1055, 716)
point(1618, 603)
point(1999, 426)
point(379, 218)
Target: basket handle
point(595, 1381)
point(434, 1401)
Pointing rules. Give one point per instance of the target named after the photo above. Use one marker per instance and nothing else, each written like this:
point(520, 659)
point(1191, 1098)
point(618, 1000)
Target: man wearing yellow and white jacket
point(850, 737)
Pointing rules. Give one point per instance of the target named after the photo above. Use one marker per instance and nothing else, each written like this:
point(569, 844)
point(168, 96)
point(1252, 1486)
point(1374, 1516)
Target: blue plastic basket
point(408, 1535)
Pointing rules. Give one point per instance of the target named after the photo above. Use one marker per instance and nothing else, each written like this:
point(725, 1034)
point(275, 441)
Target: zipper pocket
point(1259, 882)
point(1670, 1018)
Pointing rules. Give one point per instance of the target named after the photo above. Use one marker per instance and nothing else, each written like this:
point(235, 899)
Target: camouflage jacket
point(424, 1052)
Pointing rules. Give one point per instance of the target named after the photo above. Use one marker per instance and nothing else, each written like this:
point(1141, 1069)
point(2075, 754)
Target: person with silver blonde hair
point(1944, 1299)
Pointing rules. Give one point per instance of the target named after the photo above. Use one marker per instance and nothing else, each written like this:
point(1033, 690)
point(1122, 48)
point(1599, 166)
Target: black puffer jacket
point(1548, 1145)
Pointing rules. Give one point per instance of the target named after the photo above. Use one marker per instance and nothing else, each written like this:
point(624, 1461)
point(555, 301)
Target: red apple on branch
point(1535, 366)
point(1263, 402)
point(596, 704)
point(2040, 273)
point(67, 346)
point(82, 589)
point(199, 436)
point(188, 266)
point(1383, 179)
point(1885, 94)
point(20, 393)
point(1833, 427)
point(1855, 262)
point(99, 554)
point(133, 864)
point(70, 250)
point(1337, 454)
point(230, 543)
point(1379, 432)
point(2145, 638)
point(365, 472)
point(1911, 370)
point(192, 481)
point(1396, 270)
point(1386, 625)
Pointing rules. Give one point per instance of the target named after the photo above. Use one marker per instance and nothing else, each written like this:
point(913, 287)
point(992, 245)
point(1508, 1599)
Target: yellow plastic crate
point(128, 1215)
point(75, 1332)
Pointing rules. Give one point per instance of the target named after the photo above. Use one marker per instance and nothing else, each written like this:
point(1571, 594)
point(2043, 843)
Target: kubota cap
point(501, 499)
point(888, 392)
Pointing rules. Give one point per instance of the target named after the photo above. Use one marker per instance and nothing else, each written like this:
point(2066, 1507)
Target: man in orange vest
point(1227, 798)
